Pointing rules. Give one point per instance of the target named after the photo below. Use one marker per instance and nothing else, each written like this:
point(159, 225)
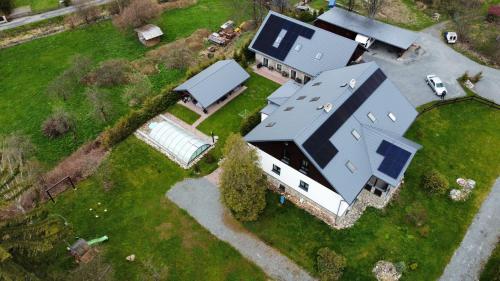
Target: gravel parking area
point(201, 199)
point(434, 57)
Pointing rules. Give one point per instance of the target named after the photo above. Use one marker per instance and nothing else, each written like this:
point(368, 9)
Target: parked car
point(436, 85)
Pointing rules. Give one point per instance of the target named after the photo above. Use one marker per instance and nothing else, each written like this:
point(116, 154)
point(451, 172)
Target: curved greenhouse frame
point(183, 146)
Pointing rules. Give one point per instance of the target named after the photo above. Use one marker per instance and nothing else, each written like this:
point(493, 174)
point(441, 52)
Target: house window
point(278, 67)
point(265, 62)
point(304, 166)
point(350, 166)
point(304, 186)
point(276, 169)
point(306, 79)
point(371, 117)
point(280, 37)
point(293, 74)
point(392, 116)
point(286, 156)
point(356, 134)
point(282, 188)
point(298, 47)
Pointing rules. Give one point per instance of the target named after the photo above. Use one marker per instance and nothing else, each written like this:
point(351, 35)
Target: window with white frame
point(371, 117)
point(276, 169)
point(392, 116)
point(303, 185)
point(278, 67)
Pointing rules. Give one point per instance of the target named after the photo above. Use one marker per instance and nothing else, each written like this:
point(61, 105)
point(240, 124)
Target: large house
point(329, 139)
point(299, 50)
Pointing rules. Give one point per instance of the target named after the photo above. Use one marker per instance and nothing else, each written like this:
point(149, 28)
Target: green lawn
point(141, 221)
point(184, 113)
point(460, 140)
point(38, 6)
point(28, 68)
point(491, 271)
point(228, 119)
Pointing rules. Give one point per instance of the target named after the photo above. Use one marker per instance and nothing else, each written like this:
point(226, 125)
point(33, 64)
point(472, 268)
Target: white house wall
point(260, 58)
point(317, 192)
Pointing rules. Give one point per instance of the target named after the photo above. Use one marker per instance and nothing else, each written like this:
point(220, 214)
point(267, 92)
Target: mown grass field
point(459, 140)
point(28, 68)
point(184, 113)
point(38, 6)
point(141, 221)
point(491, 271)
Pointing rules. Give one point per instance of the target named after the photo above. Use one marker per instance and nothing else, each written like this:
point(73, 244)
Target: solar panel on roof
point(324, 132)
point(395, 159)
point(272, 29)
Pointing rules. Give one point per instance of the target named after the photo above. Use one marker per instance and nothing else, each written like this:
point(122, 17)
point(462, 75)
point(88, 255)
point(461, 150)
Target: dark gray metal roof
point(335, 50)
point(383, 32)
point(214, 82)
point(305, 118)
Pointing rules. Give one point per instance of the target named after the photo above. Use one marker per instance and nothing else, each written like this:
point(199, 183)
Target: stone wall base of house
point(364, 200)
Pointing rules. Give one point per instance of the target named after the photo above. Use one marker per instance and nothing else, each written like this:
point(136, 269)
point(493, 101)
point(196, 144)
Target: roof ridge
point(210, 75)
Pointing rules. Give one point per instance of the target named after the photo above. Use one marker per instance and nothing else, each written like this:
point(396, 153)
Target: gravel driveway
point(201, 199)
point(435, 57)
point(479, 241)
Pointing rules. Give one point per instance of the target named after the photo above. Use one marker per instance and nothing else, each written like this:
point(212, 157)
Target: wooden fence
point(461, 99)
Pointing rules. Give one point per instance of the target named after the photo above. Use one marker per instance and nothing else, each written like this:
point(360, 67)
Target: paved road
point(201, 199)
point(479, 241)
point(48, 15)
point(435, 57)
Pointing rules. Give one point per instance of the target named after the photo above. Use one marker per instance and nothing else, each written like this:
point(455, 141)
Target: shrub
point(250, 122)
point(111, 73)
point(102, 108)
point(137, 13)
point(243, 184)
point(58, 124)
point(435, 182)
point(416, 214)
point(464, 77)
point(6, 6)
point(476, 78)
point(140, 89)
point(330, 264)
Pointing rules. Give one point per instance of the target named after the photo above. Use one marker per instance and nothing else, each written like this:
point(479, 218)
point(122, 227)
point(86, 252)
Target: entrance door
point(265, 62)
point(293, 74)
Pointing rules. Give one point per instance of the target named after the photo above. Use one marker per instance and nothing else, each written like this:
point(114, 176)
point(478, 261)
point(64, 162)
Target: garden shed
point(149, 34)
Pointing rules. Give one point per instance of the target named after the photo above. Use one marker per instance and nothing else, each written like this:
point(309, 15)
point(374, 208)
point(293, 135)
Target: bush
point(6, 6)
point(330, 264)
point(58, 124)
point(140, 89)
point(111, 73)
point(137, 13)
point(416, 214)
point(250, 122)
point(435, 182)
point(464, 77)
point(476, 78)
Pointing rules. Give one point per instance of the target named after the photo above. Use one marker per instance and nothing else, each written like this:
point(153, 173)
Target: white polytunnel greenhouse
point(181, 145)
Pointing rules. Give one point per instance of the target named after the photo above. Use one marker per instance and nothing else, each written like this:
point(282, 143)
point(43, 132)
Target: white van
point(364, 41)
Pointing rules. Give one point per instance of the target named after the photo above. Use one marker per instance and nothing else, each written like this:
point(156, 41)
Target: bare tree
point(259, 10)
point(101, 107)
point(85, 11)
point(137, 13)
point(351, 4)
point(373, 6)
point(281, 6)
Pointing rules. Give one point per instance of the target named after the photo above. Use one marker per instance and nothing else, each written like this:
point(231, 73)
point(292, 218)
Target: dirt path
point(479, 241)
point(201, 199)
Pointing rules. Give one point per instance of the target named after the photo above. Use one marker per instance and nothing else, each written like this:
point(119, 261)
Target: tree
point(25, 237)
point(243, 183)
point(101, 107)
point(282, 6)
point(64, 85)
point(330, 264)
point(137, 13)
point(58, 124)
point(6, 6)
point(111, 73)
point(373, 6)
point(351, 4)
point(259, 10)
point(138, 91)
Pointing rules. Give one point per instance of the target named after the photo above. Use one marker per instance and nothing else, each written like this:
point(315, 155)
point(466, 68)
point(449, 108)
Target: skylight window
point(301, 97)
point(318, 56)
point(298, 47)
point(392, 116)
point(371, 117)
point(316, 84)
point(289, 108)
point(350, 166)
point(280, 37)
point(356, 134)
point(314, 99)
point(271, 124)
